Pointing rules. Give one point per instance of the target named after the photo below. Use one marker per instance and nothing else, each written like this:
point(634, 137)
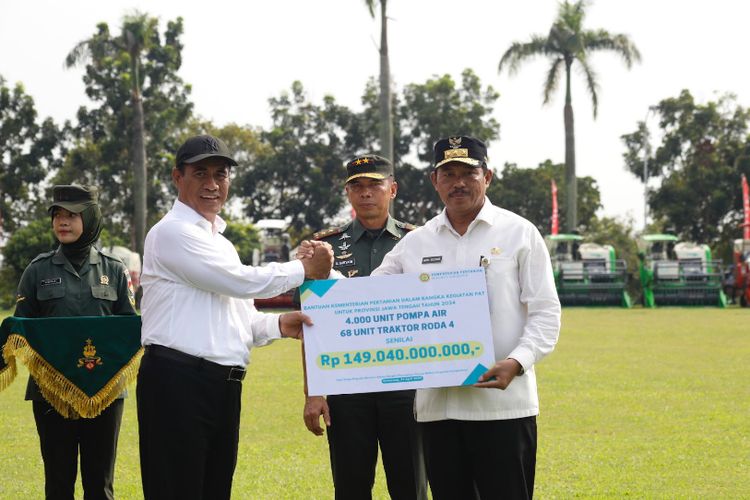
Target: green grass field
point(635, 403)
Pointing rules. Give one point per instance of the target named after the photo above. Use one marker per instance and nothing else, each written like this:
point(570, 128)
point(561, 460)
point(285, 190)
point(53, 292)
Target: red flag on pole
point(555, 219)
point(746, 208)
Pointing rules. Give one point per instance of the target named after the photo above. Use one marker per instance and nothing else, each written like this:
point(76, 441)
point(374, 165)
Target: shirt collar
point(485, 215)
point(188, 214)
point(59, 257)
point(358, 229)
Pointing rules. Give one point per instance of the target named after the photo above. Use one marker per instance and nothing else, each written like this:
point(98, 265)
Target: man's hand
point(501, 375)
point(306, 249)
point(317, 259)
point(291, 323)
point(315, 407)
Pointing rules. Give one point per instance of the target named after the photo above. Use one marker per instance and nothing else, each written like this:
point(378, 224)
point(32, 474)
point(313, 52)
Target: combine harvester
point(587, 274)
point(674, 273)
point(274, 247)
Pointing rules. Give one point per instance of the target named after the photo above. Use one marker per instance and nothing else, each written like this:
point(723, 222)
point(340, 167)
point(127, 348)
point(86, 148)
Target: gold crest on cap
point(456, 153)
point(454, 142)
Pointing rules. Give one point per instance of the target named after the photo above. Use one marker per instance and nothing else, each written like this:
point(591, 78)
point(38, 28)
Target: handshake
point(316, 258)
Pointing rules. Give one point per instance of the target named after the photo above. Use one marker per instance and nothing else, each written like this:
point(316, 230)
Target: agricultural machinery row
point(671, 272)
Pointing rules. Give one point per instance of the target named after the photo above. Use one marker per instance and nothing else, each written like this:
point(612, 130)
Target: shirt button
point(374, 250)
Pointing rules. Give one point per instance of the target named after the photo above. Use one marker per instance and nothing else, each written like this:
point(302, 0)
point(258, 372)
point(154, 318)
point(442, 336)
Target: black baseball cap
point(200, 147)
point(467, 150)
point(73, 198)
point(372, 166)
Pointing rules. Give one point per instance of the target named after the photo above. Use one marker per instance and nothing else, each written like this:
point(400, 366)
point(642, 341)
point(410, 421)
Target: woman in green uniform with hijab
point(76, 279)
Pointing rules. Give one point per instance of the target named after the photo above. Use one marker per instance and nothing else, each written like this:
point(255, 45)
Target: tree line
point(141, 110)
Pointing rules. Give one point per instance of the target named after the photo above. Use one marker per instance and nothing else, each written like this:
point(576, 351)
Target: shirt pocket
point(104, 292)
point(50, 292)
point(502, 280)
point(502, 266)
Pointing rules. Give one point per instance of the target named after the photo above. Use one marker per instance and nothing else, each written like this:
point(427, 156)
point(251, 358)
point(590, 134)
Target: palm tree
point(135, 39)
point(567, 43)
point(386, 118)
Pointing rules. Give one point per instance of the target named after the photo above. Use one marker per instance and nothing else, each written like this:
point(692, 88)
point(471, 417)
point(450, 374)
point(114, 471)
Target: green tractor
point(587, 274)
point(674, 273)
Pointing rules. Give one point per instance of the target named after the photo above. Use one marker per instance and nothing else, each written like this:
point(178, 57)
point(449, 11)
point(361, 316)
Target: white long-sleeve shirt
point(524, 308)
point(197, 295)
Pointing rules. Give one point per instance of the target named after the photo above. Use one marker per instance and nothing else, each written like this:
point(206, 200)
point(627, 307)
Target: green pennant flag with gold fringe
point(81, 364)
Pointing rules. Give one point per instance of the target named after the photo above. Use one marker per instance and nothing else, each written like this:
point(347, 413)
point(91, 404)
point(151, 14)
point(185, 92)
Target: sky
point(238, 54)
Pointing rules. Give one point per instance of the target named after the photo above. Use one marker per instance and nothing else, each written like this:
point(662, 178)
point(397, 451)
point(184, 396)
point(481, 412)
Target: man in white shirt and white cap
point(480, 442)
point(199, 324)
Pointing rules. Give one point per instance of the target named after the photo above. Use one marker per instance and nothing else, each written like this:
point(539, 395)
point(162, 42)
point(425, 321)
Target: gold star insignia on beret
point(365, 160)
point(357, 161)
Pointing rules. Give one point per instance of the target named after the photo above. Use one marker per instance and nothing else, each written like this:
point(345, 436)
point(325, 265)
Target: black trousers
point(61, 439)
point(493, 459)
point(188, 427)
point(359, 422)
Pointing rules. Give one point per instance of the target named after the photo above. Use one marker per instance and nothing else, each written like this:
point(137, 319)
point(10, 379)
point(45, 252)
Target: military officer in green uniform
point(358, 423)
point(76, 279)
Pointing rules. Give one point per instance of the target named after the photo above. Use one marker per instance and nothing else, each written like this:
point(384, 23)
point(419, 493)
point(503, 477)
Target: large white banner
point(405, 331)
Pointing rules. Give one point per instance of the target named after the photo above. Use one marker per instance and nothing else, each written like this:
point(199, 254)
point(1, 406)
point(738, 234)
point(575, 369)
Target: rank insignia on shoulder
point(20, 298)
point(327, 232)
point(352, 272)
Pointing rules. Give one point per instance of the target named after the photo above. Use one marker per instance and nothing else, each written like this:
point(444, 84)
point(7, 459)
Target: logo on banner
point(89, 360)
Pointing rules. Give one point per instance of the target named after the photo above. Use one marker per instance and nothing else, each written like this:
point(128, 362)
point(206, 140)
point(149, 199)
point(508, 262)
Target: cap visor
point(468, 161)
point(70, 206)
point(197, 158)
point(371, 175)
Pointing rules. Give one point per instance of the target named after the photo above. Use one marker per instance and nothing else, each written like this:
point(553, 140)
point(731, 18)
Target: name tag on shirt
point(51, 281)
point(435, 259)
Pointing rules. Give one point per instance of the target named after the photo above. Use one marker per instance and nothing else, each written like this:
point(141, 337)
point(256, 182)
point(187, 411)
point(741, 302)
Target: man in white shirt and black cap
point(199, 324)
point(480, 442)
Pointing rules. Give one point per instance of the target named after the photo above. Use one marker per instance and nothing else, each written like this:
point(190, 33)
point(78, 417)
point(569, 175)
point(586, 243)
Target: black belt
point(229, 373)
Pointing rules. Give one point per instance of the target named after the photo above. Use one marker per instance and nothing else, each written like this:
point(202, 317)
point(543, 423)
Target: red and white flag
point(555, 218)
point(746, 208)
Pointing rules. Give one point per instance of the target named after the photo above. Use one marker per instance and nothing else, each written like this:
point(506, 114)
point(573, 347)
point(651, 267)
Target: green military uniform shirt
point(51, 287)
point(357, 251)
